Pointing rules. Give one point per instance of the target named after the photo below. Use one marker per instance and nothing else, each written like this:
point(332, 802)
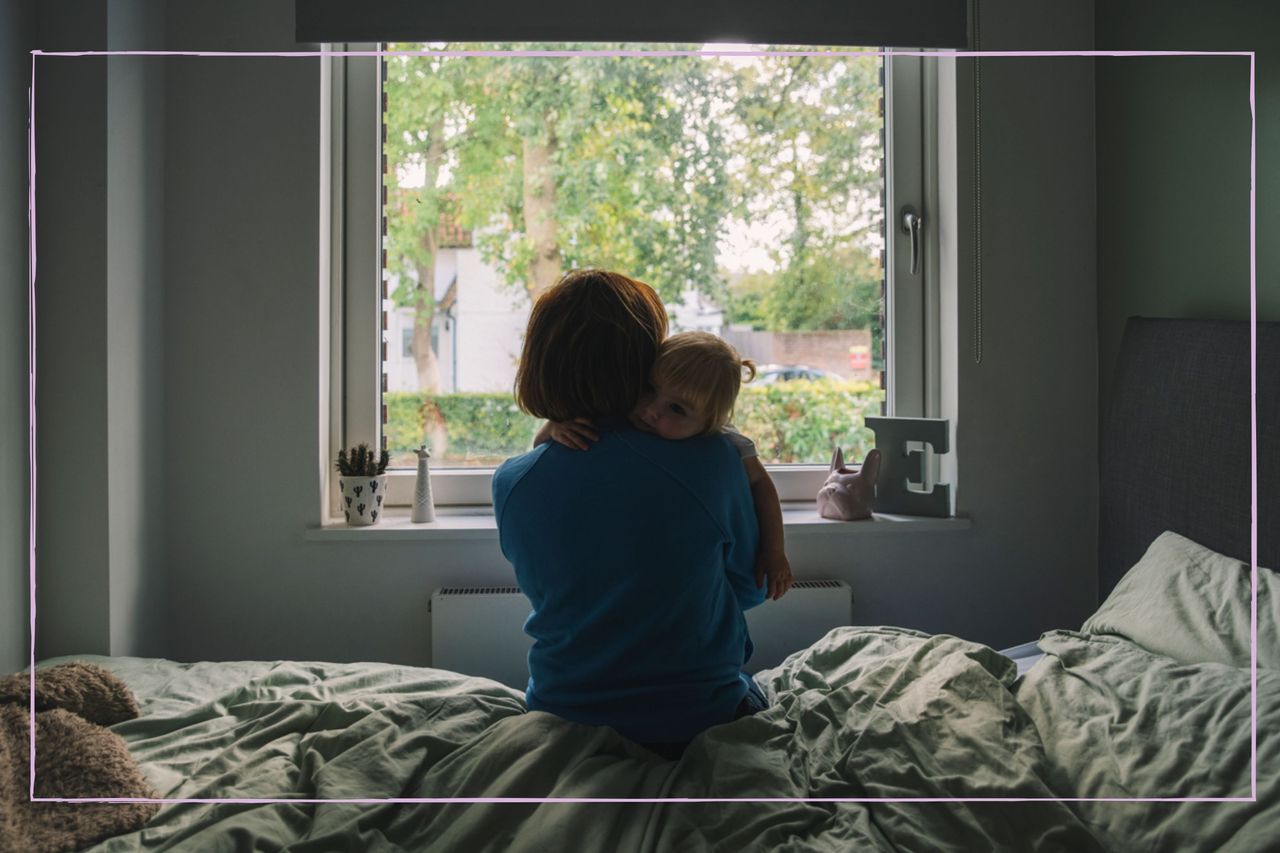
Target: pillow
point(1191, 604)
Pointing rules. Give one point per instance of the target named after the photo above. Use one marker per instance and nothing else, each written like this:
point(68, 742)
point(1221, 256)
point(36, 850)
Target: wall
point(241, 386)
point(100, 582)
point(72, 537)
point(241, 391)
point(825, 350)
point(135, 346)
point(17, 35)
point(246, 583)
point(1173, 164)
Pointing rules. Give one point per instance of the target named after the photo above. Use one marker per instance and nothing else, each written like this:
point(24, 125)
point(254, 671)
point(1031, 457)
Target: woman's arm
point(771, 560)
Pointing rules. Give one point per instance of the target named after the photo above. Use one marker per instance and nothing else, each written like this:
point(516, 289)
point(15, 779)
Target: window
point(750, 191)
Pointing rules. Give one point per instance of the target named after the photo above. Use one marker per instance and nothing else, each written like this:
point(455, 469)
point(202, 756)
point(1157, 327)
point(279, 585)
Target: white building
point(479, 324)
point(476, 332)
point(696, 313)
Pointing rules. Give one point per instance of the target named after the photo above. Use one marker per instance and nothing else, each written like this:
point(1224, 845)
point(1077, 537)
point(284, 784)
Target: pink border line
point(1253, 401)
point(407, 800)
point(1253, 429)
point(937, 54)
point(31, 402)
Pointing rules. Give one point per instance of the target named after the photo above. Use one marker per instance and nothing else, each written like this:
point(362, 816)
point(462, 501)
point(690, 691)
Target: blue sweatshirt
point(638, 557)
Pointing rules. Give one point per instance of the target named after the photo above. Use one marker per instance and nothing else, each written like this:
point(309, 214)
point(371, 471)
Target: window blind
point(880, 23)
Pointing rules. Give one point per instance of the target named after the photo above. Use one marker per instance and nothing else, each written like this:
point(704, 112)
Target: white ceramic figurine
point(424, 508)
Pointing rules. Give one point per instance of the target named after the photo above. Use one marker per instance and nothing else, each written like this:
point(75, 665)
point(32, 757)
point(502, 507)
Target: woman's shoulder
point(513, 469)
point(707, 458)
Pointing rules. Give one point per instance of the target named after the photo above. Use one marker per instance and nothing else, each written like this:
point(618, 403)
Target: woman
point(637, 555)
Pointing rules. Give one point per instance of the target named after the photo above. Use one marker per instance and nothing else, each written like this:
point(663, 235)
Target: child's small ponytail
point(749, 366)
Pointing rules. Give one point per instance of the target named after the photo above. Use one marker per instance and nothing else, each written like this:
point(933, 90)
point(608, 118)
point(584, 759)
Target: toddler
point(691, 391)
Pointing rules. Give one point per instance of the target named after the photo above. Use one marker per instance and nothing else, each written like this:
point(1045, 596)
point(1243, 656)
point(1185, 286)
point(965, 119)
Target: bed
point(1148, 699)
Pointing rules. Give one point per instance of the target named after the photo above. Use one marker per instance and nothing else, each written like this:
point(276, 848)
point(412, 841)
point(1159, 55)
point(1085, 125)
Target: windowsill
point(477, 523)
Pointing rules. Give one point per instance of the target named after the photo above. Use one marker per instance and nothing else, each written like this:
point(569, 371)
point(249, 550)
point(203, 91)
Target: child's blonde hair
point(706, 371)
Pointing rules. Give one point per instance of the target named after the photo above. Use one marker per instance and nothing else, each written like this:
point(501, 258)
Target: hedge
point(797, 421)
point(461, 429)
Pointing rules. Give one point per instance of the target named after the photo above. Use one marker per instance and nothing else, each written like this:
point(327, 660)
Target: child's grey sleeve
point(746, 447)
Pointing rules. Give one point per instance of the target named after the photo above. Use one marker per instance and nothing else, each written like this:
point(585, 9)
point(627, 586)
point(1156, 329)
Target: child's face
point(665, 413)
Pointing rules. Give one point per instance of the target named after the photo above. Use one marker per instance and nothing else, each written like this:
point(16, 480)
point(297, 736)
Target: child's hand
point(573, 434)
point(775, 565)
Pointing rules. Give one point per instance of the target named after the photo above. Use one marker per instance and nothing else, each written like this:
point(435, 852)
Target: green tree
point(612, 162)
point(812, 153)
point(554, 162)
point(840, 290)
point(623, 163)
point(743, 298)
point(423, 112)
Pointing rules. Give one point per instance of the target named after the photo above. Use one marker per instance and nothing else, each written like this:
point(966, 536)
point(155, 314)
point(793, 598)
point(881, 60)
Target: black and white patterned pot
point(362, 498)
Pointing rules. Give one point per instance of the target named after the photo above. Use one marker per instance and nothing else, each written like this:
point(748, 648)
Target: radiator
point(479, 630)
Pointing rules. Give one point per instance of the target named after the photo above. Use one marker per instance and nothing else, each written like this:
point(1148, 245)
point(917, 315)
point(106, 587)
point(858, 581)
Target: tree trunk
point(539, 214)
point(424, 356)
point(424, 310)
point(424, 297)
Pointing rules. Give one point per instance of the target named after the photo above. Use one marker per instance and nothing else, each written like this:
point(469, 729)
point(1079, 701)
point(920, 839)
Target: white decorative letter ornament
point(424, 508)
point(905, 472)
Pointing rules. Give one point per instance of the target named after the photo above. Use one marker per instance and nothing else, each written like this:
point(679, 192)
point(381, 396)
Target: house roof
point(451, 235)
point(449, 232)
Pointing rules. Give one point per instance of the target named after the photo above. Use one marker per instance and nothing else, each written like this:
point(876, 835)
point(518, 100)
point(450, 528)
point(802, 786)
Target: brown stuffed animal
point(76, 757)
point(81, 688)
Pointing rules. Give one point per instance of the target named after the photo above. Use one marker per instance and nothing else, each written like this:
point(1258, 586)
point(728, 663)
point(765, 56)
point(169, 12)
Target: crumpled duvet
point(863, 713)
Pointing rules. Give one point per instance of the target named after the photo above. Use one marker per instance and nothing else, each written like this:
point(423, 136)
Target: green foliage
point(639, 149)
point(803, 421)
point(461, 429)
point(797, 421)
point(636, 155)
point(811, 150)
point(361, 462)
point(829, 291)
point(743, 299)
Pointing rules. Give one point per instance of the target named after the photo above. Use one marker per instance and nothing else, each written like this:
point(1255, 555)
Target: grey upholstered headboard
point(1174, 449)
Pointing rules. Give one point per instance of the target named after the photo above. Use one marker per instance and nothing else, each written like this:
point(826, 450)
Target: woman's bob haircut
point(589, 346)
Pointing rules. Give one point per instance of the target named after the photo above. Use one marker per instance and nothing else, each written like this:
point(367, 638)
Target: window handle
point(911, 224)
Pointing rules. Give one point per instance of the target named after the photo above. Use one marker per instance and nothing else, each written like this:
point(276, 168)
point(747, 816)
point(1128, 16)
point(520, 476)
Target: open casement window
point(848, 332)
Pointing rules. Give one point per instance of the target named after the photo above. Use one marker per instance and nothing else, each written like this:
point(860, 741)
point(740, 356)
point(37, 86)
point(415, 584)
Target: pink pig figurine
point(847, 495)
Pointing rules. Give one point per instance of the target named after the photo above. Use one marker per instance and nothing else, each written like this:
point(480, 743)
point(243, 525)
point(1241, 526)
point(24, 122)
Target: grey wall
point(100, 582)
point(17, 37)
point(242, 369)
point(1173, 164)
point(241, 388)
point(135, 351)
point(241, 249)
point(71, 333)
point(1026, 406)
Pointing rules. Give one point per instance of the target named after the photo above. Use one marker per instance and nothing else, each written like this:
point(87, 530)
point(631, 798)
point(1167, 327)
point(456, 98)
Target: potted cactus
point(363, 482)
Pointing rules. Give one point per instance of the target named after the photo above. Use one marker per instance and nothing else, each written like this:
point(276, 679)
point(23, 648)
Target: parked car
point(767, 374)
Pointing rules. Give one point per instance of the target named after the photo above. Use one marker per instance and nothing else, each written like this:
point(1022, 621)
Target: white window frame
point(352, 98)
